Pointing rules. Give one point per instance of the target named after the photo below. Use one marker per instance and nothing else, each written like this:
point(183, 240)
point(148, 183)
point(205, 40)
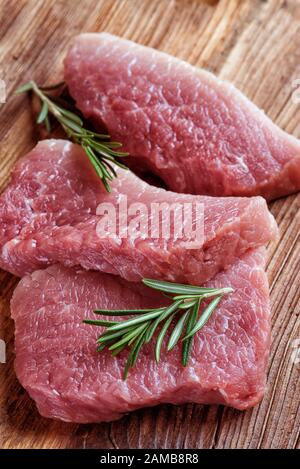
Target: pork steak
point(57, 362)
point(196, 132)
point(49, 214)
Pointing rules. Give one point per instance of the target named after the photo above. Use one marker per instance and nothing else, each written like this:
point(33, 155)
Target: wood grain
point(256, 45)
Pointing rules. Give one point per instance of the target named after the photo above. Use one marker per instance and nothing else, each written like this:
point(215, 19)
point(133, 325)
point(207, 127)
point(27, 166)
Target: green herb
point(100, 151)
point(181, 317)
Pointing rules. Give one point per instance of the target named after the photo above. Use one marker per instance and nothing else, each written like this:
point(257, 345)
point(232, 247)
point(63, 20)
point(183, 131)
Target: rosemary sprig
point(100, 151)
point(181, 317)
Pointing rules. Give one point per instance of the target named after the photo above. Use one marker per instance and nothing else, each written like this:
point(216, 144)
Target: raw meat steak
point(57, 362)
point(48, 215)
point(197, 133)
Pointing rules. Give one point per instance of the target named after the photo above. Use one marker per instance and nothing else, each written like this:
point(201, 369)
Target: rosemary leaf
point(161, 336)
point(109, 166)
point(132, 357)
point(43, 114)
point(71, 116)
point(204, 316)
point(170, 287)
point(122, 312)
point(177, 331)
point(134, 321)
point(136, 349)
point(187, 304)
point(100, 322)
point(24, 88)
point(187, 344)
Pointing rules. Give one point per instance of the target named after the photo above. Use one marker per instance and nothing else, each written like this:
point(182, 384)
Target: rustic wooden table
point(256, 45)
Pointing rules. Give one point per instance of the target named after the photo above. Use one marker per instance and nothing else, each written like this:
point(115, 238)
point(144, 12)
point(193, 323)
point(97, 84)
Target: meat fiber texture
point(57, 362)
point(48, 215)
point(196, 132)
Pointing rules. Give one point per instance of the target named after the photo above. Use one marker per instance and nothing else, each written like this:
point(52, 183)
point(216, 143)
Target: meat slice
point(197, 133)
point(57, 362)
point(49, 215)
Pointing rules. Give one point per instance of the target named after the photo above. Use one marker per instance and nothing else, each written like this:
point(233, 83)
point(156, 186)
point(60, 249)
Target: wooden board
point(256, 45)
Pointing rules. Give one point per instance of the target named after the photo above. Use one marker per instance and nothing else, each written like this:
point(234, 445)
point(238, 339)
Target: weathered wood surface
point(256, 45)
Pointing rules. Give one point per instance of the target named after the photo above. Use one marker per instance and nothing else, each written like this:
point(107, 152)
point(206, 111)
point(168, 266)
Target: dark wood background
point(256, 45)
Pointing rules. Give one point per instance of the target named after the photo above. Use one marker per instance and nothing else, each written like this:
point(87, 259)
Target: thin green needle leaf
point(119, 154)
point(43, 114)
point(187, 304)
point(113, 144)
point(106, 173)
point(101, 322)
point(207, 312)
point(187, 344)
point(101, 147)
point(71, 115)
point(220, 291)
point(179, 288)
point(110, 167)
point(104, 346)
point(177, 331)
point(101, 347)
point(69, 123)
point(190, 297)
point(23, 88)
point(135, 351)
point(106, 185)
point(138, 320)
point(166, 295)
point(161, 336)
point(93, 160)
point(107, 150)
point(106, 156)
point(123, 312)
point(128, 364)
point(99, 136)
point(116, 162)
point(98, 166)
point(152, 328)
